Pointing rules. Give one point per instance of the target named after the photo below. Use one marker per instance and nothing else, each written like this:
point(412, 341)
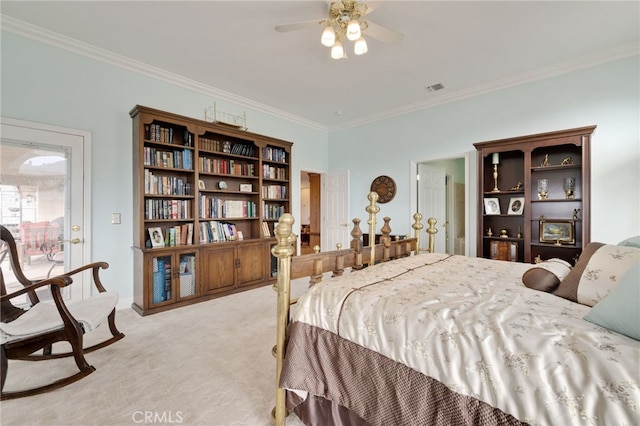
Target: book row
point(274, 191)
point(274, 154)
point(227, 167)
point(272, 211)
point(158, 133)
point(214, 231)
point(226, 147)
point(271, 172)
point(213, 207)
point(165, 185)
point(170, 237)
point(155, 209)
point(171, 159)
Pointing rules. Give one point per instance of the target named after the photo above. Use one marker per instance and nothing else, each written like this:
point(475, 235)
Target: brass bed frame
point(316, 264)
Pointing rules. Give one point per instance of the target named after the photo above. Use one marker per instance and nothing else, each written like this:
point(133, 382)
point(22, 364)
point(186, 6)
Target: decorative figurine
point(545, 162)
point(489, 232)
point(566, 161)
point(519, 234)
point(575, 214)
point(518, 187)
point(537, 259)
point(503, 233)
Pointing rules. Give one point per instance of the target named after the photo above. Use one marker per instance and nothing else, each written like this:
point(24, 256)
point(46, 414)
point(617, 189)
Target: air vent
point(435, 87)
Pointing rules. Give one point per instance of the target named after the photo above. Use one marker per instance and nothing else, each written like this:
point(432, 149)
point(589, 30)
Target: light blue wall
point(45, 84)
point(49, 85)
point(607, 95)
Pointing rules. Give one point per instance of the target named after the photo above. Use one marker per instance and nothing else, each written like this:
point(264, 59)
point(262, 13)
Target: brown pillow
point(547, 275)
point(568, 287)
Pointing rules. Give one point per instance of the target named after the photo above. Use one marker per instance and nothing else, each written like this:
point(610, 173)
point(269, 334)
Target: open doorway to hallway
point(441, 194)
point(310, 210)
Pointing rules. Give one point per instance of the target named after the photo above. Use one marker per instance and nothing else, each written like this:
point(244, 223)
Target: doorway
point(44, 199)
point(309, 211)
point(441, 193)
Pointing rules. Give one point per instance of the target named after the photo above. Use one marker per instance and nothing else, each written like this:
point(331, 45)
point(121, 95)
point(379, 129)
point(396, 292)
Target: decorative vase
point(543, 189)
point(569, 187)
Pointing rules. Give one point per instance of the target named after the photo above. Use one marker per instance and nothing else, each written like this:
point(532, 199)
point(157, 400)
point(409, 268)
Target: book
point(190, 233)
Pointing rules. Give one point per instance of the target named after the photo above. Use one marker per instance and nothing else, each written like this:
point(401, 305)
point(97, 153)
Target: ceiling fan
point(346, 22)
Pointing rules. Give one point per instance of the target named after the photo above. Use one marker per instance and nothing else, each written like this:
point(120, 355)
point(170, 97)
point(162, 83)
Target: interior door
point(335, 210)
point(432, 203)
point(45, 181)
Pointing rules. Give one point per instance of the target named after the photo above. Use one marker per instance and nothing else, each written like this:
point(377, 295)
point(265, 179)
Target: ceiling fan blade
point(383, 33)
point(298, 25)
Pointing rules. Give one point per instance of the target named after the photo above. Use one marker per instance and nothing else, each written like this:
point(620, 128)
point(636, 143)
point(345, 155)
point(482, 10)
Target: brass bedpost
point(283, 250)
point(417, 226)
point(432, 231)
point(372, 209)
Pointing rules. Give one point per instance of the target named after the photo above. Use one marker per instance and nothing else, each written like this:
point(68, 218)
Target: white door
point(335, 211)
point(432, 203)
point(45, 191)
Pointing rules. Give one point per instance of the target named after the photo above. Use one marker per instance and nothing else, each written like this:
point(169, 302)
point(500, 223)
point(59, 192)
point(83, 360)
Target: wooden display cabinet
point(541, 184)
point(210, 190)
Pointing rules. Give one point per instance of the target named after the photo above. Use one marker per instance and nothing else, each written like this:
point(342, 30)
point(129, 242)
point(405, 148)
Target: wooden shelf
point(521, 161)
point(185, 160)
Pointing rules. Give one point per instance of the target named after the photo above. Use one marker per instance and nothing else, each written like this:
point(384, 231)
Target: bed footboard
point(315, 265)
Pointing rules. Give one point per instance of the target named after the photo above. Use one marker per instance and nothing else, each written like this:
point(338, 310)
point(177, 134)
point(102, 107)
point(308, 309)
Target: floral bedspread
point(472, 325)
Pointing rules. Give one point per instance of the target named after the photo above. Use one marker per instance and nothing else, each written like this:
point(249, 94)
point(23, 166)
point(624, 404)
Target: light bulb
point(360, 46)
point(328, 36)
point(353, 30)
point(337, 51)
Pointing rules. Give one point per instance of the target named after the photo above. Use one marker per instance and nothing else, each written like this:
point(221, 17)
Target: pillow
point(620, 310)
point(547, 275)
point(601, 272)
point(568, 287)
point(631, 242)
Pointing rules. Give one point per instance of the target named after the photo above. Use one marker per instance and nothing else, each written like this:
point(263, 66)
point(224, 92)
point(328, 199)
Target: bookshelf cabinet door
point(253, 263)
point(218, 266)
point(188, 275)
point(161, 280)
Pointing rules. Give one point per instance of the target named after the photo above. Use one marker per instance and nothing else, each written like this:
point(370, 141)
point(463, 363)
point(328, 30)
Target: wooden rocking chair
point(23, 332)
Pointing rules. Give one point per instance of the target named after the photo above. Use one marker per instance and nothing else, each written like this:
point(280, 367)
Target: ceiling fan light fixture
point(353, 30)
point(337, 51)
point(360, 46)
point(328, 36)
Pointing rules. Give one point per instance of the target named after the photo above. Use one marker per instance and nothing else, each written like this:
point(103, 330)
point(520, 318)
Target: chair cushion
point(44, 317)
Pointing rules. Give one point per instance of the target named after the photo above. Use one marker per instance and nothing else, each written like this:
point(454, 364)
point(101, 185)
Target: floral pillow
point(600, 266)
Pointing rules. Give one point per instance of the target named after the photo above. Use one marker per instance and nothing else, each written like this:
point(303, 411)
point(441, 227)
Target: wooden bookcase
point(210, 189)
point(516, 220)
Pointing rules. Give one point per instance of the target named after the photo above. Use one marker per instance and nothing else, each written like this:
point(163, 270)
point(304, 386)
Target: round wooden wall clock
point(385, 187)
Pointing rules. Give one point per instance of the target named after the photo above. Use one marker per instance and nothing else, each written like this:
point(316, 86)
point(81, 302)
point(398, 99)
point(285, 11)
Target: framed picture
point(246, 187)
point(557, 231)
point(491, 206)
point(516, 205)
point(157, 239)
point(201, 184)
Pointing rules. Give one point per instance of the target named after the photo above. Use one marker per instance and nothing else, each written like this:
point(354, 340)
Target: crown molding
point(621, 52)
point(45, 36)
point(39, 34)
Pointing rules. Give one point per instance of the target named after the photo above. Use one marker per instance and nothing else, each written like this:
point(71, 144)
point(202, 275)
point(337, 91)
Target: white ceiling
point(231, 47)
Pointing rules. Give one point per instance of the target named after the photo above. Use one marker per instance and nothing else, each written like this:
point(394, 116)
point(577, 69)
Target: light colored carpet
point(206, 364)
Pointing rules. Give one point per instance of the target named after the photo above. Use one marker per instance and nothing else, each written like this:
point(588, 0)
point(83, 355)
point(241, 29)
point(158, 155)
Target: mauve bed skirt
point(351, 385)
